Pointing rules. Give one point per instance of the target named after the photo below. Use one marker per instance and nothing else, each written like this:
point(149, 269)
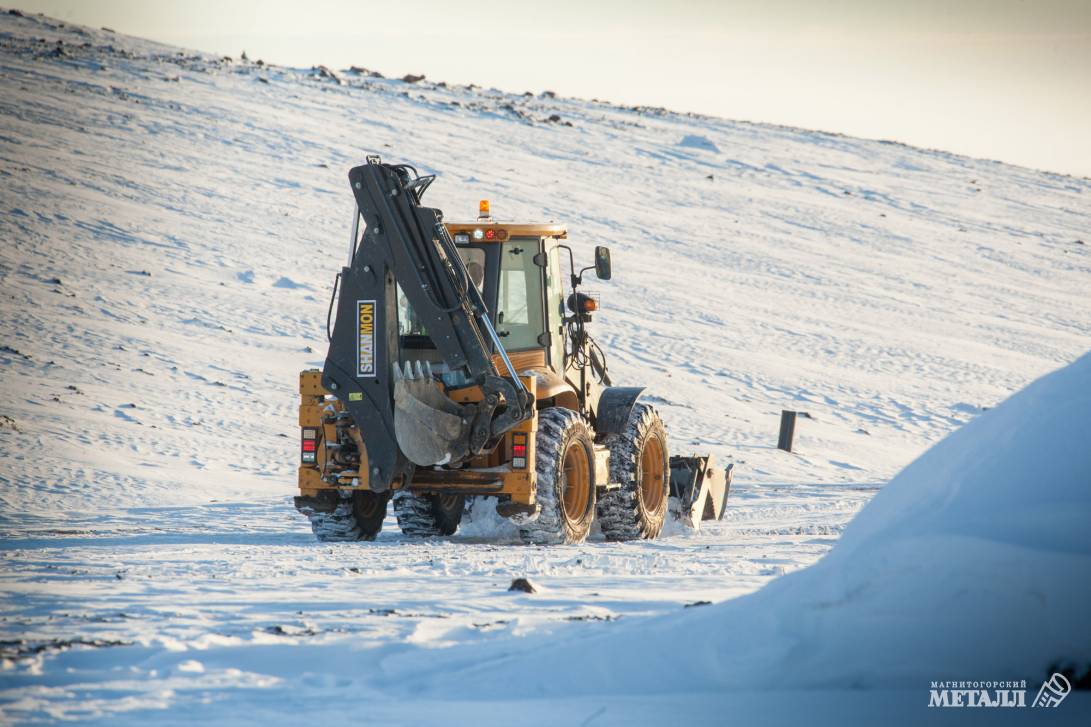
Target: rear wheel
point(640, 461)
point(426, 516)
point(565, 463)
point(339, 517)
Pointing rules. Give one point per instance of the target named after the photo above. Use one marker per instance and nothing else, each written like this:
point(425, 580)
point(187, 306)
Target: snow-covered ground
point(973, 561)
point(170, 225)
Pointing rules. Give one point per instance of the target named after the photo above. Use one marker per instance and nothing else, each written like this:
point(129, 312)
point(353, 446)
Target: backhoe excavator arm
point(404, 417)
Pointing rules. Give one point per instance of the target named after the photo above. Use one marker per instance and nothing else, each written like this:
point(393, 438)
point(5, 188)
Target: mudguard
point(615, 405)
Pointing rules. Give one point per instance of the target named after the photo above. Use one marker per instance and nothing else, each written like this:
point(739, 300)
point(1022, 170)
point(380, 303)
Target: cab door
point(520, 304)
point(554, 305)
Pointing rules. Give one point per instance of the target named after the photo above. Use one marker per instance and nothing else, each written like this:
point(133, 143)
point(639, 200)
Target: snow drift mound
point(972, 563)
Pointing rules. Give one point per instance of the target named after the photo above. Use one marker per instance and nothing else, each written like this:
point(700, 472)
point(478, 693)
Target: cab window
point(519, 319)
point(408, 322)
point(555, 310)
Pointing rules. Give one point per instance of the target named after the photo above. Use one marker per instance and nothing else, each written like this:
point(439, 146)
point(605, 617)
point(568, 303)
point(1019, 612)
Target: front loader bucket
point(700, 488)
point(428, 426)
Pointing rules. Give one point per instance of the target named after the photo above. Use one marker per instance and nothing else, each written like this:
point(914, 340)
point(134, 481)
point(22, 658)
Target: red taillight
point(309, 448)
point(490, 234)
point(519, 451)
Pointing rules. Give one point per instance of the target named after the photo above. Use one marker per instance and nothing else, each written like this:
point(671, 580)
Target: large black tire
point(427, 516)
point(640, 461)
point(565, 465)
point(341, 517)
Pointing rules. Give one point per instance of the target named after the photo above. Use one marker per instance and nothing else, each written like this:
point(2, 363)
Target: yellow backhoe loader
point(460, 365)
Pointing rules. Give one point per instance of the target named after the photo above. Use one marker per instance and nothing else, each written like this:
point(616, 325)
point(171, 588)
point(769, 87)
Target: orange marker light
point(589, 305)
point(483, 208)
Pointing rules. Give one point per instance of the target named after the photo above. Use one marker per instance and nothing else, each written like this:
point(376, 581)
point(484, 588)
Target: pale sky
point(999, 79)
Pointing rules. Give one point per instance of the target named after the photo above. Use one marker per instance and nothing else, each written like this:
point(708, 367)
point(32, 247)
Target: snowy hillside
point(170, 225)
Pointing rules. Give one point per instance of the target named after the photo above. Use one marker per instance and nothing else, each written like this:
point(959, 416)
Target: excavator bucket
point(428, 426)
point(699, 489)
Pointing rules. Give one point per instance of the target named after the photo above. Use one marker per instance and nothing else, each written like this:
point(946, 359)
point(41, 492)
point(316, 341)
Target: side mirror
point(602, 262)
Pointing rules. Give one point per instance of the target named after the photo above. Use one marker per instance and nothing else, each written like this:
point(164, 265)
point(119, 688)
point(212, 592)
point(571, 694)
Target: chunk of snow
point(695, 141)
point(482, 521)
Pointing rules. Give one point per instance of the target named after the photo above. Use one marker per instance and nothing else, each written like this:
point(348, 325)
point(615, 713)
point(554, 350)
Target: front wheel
point(640, 462)
point(427, 516)
point(565, 461)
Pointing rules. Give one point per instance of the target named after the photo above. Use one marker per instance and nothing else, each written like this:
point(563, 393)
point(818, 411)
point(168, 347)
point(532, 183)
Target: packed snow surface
point(171, 225)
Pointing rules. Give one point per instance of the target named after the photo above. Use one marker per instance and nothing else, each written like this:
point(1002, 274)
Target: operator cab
point(523, 297)
point(518, 270)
